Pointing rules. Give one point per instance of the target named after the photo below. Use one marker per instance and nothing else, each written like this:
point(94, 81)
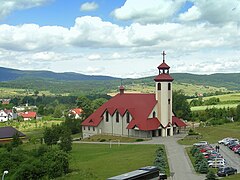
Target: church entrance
point(168, 132)
point(160, 132)
point(153, 133)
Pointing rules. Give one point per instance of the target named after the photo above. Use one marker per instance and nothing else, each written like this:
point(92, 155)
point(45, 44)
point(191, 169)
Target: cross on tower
point(164, 54)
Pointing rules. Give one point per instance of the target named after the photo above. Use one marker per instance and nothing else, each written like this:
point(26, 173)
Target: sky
point(120, 38)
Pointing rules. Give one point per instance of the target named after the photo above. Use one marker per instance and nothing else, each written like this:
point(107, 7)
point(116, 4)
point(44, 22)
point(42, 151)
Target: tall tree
point(238, 113)
point(181, 107)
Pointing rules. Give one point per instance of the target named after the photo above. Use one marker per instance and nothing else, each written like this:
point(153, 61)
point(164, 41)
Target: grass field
point(99, 161)
point(12, 92)
point(189, 89)
point(202, 108)
point(232, 177)
point(212, 134)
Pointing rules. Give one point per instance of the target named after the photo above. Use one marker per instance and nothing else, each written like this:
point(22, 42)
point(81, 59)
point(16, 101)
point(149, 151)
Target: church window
point(117, 117)
point(159, 86)
point(89, 128)
point(128, 117)
point(107, 116)
point(93, 128)
point(169, 101)
point(83, 127)
point(169, 86)
point(154, 114)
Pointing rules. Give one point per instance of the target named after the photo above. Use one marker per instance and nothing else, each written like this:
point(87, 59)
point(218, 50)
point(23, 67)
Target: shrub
point(139, 140)
point(102, 140)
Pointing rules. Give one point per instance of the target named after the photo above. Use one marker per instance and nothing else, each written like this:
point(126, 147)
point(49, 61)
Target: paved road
point(231, 158)
point(178, 160)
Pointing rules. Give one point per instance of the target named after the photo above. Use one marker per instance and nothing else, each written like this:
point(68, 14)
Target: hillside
point(75, 83)
point(7, 74)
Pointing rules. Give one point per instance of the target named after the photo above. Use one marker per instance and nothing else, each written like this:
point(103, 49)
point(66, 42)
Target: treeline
point(217, 116)
point(200, 102)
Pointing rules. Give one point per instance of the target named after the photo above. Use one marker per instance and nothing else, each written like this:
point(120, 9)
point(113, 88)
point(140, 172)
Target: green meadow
point(99, 161)
point(212, 134)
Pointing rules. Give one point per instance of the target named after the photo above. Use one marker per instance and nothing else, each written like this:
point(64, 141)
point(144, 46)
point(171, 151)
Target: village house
point(6, 115)
point(137, 114)
point(7, 133)
point(76, 113)
point(28, 115)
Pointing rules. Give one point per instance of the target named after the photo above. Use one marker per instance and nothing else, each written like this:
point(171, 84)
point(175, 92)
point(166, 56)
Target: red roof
point(76, 111)
point(29, 114)
point(163, 66)
point(178, 122)
point(163, 77)
point(138, 105)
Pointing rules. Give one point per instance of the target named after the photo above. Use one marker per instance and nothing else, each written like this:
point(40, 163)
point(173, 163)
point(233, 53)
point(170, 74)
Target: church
point(137, 114)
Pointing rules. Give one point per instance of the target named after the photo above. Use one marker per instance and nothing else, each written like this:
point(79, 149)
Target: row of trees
point(216, 116)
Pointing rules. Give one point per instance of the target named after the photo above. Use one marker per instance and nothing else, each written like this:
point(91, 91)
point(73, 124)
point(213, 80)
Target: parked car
point(238, 151)
point(229, 141)
point(236, 147)
point(217, 164)
point(201, 143)
point(224, 140)
point(226, 171)
point(216, 160)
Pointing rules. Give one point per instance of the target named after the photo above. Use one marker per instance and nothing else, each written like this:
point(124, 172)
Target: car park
point(226, 171)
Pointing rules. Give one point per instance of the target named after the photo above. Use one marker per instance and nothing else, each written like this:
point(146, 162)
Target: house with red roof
point(137, 114)
point(76, 112)
point(28, 115)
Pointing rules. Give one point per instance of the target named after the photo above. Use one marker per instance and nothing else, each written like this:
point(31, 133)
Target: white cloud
point(8, 6)
point(193, 13)
point(116, 55)
point(93, 70)
point(150, 11)
point(214, 12)
point(94, 57)
point(89, 6)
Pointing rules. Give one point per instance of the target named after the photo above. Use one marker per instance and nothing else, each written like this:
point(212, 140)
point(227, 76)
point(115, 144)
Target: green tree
point(51, 135)
point(181, 107)
point(211, 175)
point(16, 140)
point(98, 102)
point(65, 139)
point(85, 103)
point(238, 113)
point(56, 163)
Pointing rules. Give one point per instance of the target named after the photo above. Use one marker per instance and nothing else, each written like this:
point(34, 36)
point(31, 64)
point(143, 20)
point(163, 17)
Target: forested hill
point(229, 80)
point(75, 83)
point(7, 74)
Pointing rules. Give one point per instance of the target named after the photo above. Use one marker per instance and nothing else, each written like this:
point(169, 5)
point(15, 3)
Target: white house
point(5, 115)
point(137, 114)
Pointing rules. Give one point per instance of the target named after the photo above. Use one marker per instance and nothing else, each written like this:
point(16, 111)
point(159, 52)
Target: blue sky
point(122, 38)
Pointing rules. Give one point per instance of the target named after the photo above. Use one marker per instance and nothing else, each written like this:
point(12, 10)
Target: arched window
point(169, 101)
point(128, 117)
point(169, 86)
point(154, 114)
point(117, 117)
point(107, 116)
point(159, 86)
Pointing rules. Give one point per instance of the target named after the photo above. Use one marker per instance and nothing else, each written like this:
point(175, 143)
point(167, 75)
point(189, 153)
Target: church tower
point(164, 97)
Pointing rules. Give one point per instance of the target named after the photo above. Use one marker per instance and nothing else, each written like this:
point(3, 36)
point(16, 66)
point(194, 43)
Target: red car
point(234, 148)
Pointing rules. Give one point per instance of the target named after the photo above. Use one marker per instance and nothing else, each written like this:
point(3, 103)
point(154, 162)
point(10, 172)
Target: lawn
point(99, 161)
point(232, 177)
point(212, 134)
point(202, 108)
